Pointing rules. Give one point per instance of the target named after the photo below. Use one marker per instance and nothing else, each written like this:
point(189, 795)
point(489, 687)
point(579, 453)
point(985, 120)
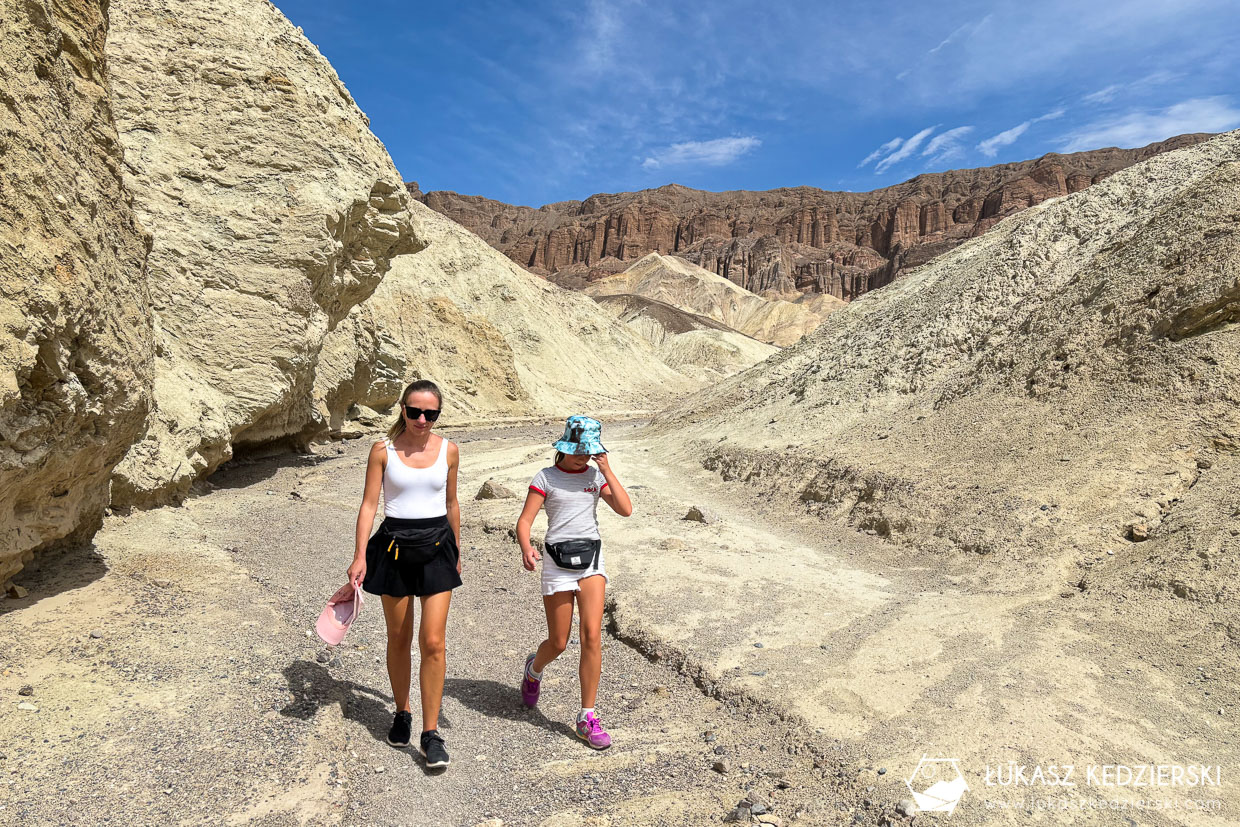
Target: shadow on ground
point(56, 570)
point(314, 687)
point(501, 700)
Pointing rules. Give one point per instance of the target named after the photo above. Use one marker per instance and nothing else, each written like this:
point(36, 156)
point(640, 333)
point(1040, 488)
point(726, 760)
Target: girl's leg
point(398, 612)
point(559, 608)
point(590, 602)
point(431, 634)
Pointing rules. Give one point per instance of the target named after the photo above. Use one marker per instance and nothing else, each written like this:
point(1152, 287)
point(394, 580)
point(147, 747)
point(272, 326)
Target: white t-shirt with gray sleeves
point(571, 503)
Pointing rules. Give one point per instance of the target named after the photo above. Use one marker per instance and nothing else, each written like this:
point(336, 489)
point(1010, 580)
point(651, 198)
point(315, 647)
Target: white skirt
point(556, 579)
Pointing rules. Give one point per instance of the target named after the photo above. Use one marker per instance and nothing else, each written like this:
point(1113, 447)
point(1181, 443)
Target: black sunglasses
point(413, 413)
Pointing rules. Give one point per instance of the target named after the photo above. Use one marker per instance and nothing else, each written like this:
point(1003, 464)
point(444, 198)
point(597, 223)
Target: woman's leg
point(590, 602)
point(398, 612)
point(431, 634)
point(559, 608)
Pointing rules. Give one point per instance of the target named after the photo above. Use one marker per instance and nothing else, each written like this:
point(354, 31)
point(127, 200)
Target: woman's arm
point(454, 505)
point(529, 554)
point(366, 514)
point(613, 492)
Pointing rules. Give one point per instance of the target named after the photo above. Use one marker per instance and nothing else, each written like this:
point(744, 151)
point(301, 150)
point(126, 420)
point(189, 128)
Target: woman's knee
point(558, 643)
point(400, 639)
point(433, 646)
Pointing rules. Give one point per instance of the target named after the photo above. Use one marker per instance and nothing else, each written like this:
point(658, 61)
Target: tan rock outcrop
point(502, 342)
point(695, 345)
point(274, 212)
point(674, 281)
point(1043, 388)
point(801, 238)
point(75, 333)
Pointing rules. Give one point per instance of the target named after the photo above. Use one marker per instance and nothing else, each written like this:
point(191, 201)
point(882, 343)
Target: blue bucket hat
point(582, 435)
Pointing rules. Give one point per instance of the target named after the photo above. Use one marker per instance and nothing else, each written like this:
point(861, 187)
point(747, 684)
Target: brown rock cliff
point(794, 239)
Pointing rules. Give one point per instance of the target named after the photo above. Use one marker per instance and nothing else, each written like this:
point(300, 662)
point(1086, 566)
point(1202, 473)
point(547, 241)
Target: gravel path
point(176, 682)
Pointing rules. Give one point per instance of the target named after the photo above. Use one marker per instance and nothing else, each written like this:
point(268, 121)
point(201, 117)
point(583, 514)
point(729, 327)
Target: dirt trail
point(176, 682)
point(203, 700)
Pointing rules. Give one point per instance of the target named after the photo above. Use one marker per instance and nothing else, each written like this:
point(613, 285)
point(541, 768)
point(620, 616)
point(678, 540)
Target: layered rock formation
point(75, 334)
point(274, 212)
point(797, 239)
point(500, 341)
point(676, 282)
point(1068, 383)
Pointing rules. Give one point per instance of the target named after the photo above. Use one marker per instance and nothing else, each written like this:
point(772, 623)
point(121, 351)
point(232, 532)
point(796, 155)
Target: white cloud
point(909, 147)
point(881, 151)
point(1215, 114)
point(1102, 95)
point(1150, 81)
point(991, 146)
point(718, 152)
point(946, 143)
point(966, 29)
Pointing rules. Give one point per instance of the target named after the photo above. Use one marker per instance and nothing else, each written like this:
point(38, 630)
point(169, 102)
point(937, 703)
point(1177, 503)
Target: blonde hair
point(421, 385)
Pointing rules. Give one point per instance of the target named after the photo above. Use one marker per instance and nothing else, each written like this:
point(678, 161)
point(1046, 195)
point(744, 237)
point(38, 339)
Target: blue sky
point(535, 102)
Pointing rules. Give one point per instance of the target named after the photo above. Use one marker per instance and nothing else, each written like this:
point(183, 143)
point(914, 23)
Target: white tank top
point(415, 493)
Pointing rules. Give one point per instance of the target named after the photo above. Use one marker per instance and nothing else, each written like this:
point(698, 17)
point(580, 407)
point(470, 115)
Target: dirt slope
point(685, 285)
point(503, 342)
point(1067, 384)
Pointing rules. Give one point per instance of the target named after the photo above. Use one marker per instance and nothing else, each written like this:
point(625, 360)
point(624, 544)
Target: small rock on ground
point(698, 514)
point(492, 490)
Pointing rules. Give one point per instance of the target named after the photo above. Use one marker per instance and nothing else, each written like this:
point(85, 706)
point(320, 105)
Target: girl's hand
point(601, 461)
point(357, 571)
point(530, 558)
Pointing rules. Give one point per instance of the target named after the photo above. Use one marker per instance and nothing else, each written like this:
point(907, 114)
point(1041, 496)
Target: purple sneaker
point(591, 731)
point(529, 686)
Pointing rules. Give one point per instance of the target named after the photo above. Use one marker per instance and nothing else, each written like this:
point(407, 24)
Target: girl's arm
point(613, 492)
point(454, 505)
point(529, 554)
point(366, 514)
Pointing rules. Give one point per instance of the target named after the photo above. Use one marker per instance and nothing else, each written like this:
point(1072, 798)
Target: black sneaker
point(433, 750)
point(402, 730)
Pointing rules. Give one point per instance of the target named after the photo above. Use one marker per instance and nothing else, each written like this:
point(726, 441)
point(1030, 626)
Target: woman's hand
point(530, 558)
point(357, 571)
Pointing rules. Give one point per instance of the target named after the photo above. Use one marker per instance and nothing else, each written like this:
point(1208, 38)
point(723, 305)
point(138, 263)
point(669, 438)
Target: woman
point(415, 553)
point(573, 569)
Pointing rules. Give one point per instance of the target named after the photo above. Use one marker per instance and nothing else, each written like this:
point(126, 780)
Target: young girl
point(570, 491)
point(415, 553)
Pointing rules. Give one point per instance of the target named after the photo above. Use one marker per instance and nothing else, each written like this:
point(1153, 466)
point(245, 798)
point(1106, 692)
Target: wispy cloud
point(991, 146)
point(946, 144)
point(961, 32)
point(905, 150)
point(716, 153)
point(881, 151)
point(1214, 114)
point(1145, 84)
point(1104, 95)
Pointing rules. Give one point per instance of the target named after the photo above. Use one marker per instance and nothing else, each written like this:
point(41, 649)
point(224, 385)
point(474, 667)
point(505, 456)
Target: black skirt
point(412, 558)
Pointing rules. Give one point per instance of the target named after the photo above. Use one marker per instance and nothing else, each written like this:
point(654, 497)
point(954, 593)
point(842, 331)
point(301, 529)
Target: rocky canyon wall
point(76, 348)
point(796, 239)
point(274, 212)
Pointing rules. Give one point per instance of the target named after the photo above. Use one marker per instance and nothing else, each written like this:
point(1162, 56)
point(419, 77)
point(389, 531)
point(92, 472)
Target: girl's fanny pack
point(576, 554)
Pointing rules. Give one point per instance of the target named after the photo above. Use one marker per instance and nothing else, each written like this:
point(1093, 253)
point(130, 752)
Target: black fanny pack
point(576, 554)
point(421, 544)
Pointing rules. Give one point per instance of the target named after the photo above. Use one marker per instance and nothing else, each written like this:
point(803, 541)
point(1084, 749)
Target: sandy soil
point(820, 663)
